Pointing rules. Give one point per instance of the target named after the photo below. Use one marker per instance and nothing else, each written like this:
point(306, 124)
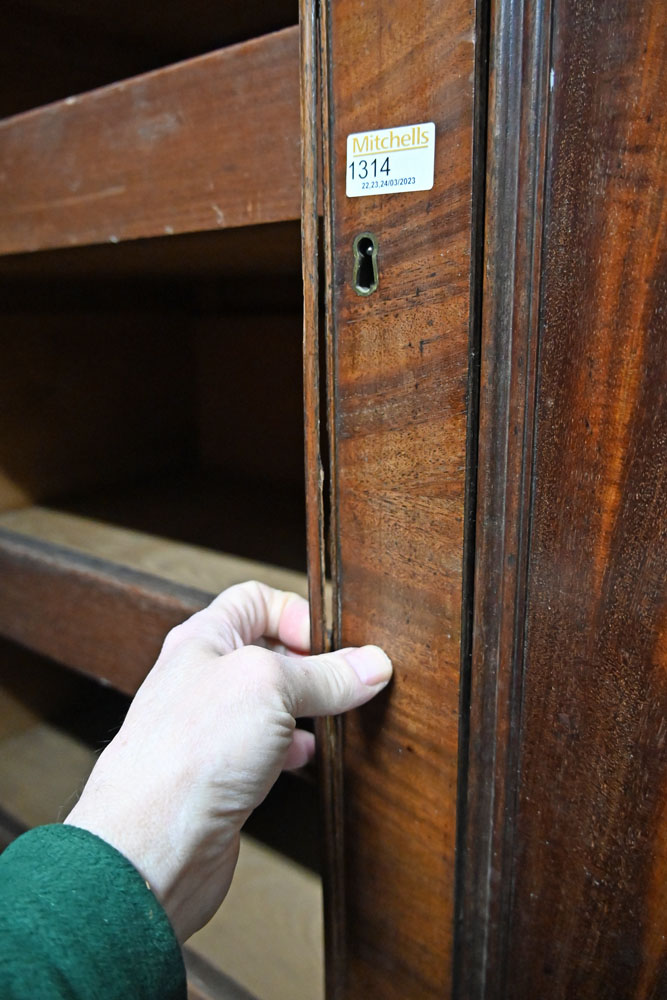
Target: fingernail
point(370, 663)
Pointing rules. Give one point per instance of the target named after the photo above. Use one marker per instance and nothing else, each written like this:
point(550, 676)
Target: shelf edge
point(206, 144)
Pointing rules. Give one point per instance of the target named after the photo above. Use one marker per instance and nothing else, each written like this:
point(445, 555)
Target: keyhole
point(365, 264)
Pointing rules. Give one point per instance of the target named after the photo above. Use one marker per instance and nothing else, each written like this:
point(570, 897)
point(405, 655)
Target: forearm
point(78, 921)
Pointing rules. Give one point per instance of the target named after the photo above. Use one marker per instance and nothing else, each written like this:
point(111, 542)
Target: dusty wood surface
point(401, 367)
point(268, 933)
point(42, 771)
point(70, 607)
point(205, 144)
point(206, 982)
point(188, 565)
point(572, 604)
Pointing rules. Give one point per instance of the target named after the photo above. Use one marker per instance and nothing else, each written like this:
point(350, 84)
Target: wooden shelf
point(205, 144)
point(261, 520)
point(69, 581)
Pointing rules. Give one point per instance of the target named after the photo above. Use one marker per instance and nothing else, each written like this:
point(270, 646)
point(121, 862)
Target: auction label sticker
point(390, 160)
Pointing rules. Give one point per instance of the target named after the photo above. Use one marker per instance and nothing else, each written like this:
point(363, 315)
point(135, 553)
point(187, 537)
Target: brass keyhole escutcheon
point(365, 278)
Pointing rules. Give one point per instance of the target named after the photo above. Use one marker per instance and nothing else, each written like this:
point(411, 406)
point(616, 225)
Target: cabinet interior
point(157, 385)
point(57, 48)
point(151, 414)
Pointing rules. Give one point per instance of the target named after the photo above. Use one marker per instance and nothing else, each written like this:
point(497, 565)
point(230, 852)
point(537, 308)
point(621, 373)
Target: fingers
point(294, 626)
point(301, 751)
point(255, 610)
point(334, 682)
point(327, 684)
point(246, 612)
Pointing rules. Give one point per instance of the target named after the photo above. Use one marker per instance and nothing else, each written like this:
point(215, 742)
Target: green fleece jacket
point(77, 921)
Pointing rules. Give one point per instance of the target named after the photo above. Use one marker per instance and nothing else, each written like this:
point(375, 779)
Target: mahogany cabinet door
point(564, 881)
point(398, 384)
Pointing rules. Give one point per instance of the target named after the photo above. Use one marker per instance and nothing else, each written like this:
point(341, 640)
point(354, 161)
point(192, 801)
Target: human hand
point(206, 736)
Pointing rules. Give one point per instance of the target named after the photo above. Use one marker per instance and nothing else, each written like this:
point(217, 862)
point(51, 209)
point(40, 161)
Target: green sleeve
point(77, 921)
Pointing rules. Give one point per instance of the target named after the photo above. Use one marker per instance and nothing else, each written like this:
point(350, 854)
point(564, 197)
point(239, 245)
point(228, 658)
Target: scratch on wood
point(73, 199)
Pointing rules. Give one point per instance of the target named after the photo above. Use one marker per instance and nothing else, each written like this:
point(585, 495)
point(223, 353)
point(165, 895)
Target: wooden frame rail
point(205, 144)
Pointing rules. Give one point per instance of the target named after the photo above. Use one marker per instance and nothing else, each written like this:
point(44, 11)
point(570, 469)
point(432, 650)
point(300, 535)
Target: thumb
point(332, 683)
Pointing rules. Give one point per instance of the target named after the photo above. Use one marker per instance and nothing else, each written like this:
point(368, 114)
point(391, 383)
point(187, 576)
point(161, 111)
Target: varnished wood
point(206, 144)
point(311, 309)
point(568, 762)
point(590, 883)
point(515, 177)
point(330, 731)
point(400, 378)
point(563, 866)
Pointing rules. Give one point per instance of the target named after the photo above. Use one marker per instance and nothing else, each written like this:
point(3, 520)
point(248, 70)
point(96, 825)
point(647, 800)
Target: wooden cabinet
point(130, 362)
point(484, 440)
point(502, 813)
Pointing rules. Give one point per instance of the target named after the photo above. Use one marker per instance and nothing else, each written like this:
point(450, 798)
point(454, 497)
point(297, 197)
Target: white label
point(391, 160)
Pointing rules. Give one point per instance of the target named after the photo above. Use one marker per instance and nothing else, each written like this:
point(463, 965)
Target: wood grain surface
point(205, 144)
point(400, 367)
point(134, 403)
point(326, 729)
point(590, 897)
point(569, 708)
point(518, 88)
